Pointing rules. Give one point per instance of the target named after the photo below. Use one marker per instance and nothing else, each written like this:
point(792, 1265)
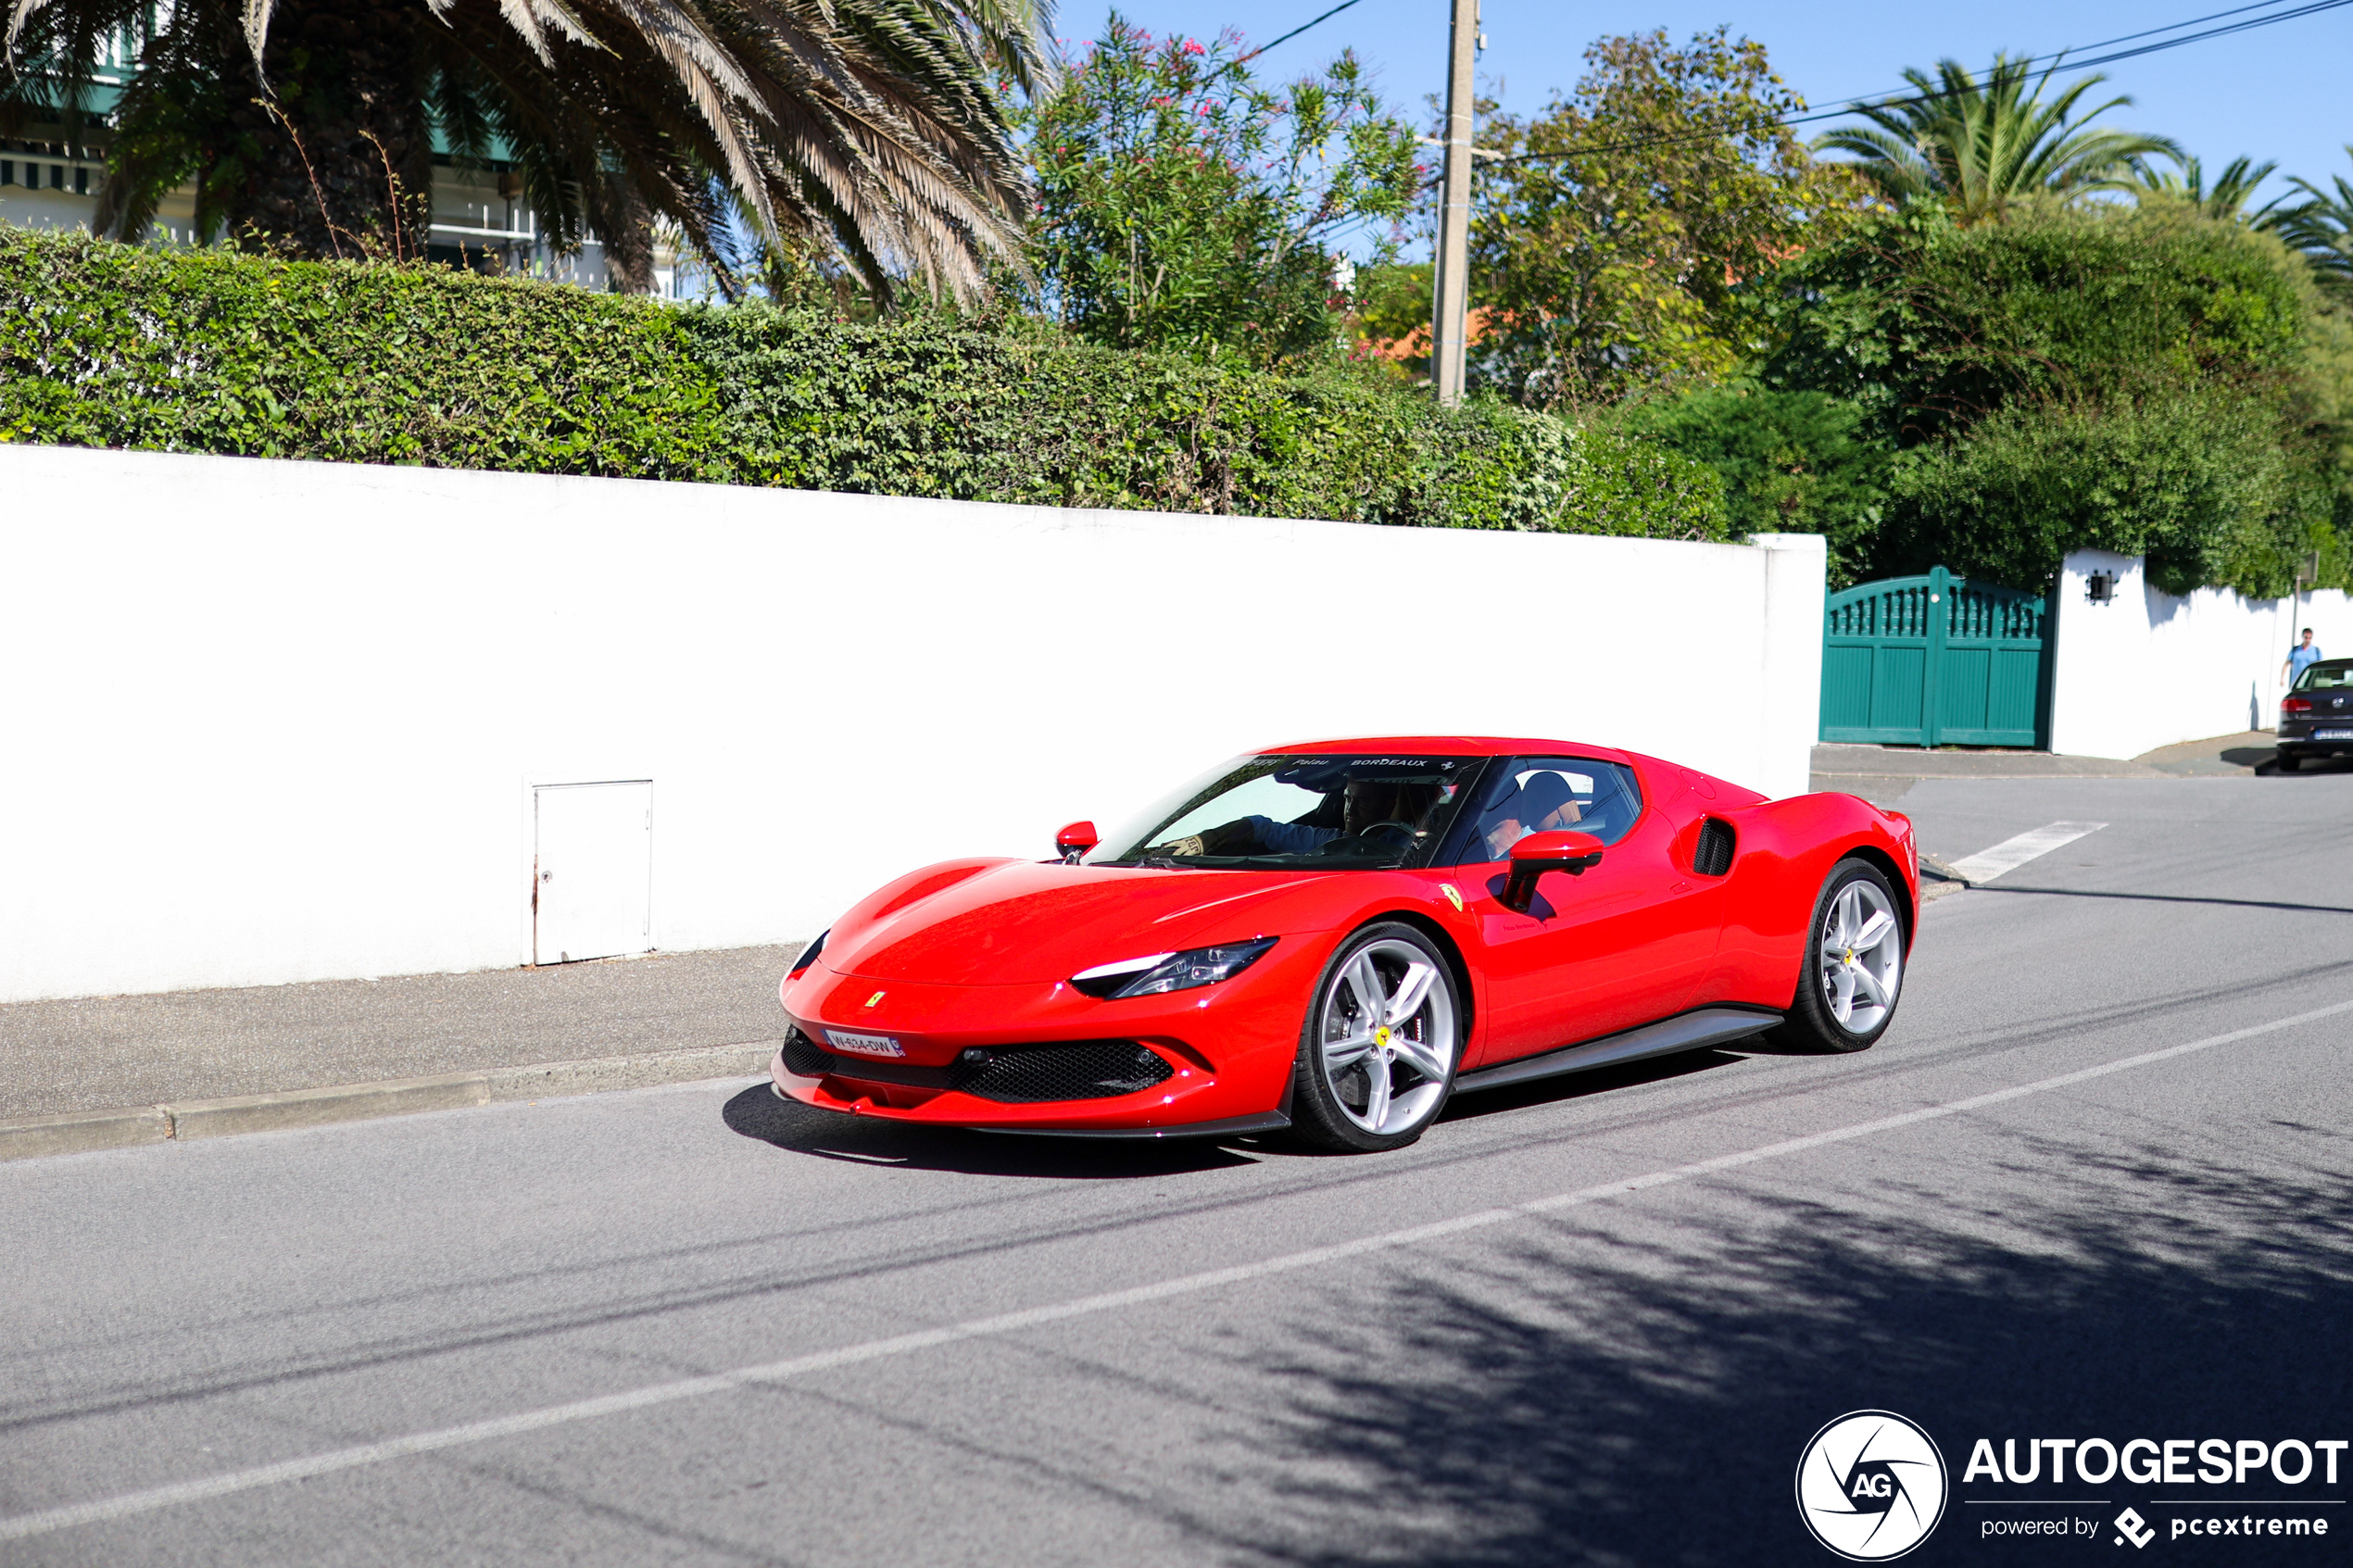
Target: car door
point(1623, 944)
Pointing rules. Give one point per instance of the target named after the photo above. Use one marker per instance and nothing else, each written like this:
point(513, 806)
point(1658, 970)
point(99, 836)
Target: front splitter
point(1231, 1127)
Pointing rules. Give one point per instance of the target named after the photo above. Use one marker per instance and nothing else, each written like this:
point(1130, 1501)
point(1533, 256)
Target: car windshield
point(2329, 675)
point(1327, 813)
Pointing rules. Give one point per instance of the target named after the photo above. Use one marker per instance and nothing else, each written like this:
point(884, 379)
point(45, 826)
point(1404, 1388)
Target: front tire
point(1852, 971)
point(1383, 1038)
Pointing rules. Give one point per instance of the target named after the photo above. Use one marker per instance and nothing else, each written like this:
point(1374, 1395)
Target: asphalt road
point(1590, 1321)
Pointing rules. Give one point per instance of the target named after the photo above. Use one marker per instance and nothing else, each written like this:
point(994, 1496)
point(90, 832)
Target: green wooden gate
point(1935, 660)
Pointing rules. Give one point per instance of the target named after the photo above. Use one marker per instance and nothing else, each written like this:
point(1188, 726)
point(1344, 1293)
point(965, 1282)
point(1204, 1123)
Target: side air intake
point(1714, 856)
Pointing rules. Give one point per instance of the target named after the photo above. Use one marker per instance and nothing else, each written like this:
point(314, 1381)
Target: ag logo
point(1871, 1485)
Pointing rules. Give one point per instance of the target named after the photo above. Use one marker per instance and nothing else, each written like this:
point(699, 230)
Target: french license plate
point(2333, 734)
point(864, 1045)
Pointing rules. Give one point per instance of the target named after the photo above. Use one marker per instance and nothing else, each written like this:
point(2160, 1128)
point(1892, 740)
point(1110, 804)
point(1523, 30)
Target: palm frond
point(1979, 146)
point(2185, 183)
point(2322, 227)
point(869, 128)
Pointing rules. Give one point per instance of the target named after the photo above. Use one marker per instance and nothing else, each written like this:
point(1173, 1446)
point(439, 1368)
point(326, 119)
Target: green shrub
point(2199, 483)
point(205, 351)
point(2147, 381)
point(1790, 462)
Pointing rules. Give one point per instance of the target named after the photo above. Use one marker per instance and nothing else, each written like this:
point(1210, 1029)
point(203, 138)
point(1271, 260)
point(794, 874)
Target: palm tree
point(2233, 188)
point(1979, 147)
point(2322, 227)
point(868, 129)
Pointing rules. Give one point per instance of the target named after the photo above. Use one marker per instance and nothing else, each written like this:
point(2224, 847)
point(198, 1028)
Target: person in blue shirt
point(2301, 657)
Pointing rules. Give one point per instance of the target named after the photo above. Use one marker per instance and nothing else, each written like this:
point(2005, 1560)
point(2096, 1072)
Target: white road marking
point(2012, 853)
point(49, 1521)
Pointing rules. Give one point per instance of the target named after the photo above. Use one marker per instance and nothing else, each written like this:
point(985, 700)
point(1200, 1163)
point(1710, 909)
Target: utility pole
point(1449, 319)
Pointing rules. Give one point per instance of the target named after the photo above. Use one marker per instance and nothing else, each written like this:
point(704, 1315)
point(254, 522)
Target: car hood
point(1023, 923)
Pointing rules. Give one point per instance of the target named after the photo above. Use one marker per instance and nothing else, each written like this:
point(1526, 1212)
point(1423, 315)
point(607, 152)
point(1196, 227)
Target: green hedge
point(207, 351)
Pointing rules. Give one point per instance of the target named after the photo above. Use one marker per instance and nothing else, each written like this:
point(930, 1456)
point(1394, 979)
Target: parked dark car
point(2316, 717)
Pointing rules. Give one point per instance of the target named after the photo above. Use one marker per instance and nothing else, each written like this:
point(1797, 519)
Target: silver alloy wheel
point(1387, 1037)
point(1862, 957)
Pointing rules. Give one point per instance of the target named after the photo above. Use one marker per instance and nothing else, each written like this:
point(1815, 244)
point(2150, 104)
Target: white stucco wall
point(2149, 669)
point(276, 721)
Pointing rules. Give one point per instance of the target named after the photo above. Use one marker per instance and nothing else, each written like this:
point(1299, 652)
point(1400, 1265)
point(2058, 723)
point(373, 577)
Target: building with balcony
point(50, 173)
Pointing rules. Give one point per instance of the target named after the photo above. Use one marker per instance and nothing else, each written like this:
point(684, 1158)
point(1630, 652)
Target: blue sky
point(2276, 91)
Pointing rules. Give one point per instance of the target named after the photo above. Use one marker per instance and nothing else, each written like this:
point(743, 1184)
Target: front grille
point(1714, 856)
point(1094, 1070)
point(1011, 1075)
point(803, 1057)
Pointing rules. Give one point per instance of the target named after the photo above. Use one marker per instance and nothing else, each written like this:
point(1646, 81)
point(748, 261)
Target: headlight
point(1156, 972)
point(809, 954)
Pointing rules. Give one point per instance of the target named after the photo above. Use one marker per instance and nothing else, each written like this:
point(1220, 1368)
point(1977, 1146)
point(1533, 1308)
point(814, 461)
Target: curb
point(1941, 869)
point(1940, 878)
point(76, 1132)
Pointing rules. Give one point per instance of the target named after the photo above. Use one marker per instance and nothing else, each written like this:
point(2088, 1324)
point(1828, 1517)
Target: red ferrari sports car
point(1335, 937)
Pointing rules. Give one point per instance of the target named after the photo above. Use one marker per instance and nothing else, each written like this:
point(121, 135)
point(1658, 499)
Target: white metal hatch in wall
point(592, 870)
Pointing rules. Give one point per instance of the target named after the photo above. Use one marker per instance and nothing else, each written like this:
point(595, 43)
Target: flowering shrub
point(1182, 205)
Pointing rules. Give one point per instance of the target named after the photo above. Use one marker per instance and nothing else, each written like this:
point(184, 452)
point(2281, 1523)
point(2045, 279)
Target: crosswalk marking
point(2012, 853)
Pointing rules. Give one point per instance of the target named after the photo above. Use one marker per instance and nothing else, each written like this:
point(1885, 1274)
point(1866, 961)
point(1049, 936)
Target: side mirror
point(1075, 841)
point(1539, 852)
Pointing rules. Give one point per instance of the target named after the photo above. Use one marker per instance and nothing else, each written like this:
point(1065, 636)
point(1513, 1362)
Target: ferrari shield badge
point(1452, 897)
point(872, 999)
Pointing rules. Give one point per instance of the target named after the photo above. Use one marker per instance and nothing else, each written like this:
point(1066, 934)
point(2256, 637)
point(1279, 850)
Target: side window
point(1540, 794)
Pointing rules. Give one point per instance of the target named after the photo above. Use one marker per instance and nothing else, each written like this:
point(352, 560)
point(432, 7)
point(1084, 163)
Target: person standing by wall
point(2300, 658)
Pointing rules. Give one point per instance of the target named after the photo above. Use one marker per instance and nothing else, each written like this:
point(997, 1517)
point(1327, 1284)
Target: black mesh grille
point(801, 1056)
point(1094, 1070)
point(1714, 856)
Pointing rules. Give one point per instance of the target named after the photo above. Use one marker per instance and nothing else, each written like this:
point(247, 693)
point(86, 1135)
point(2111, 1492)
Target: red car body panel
point(976, 954)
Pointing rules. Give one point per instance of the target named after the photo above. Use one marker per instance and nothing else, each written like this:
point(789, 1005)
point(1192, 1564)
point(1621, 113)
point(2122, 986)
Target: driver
point(1366, 804)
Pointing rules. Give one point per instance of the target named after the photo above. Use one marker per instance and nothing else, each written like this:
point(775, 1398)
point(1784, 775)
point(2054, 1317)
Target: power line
point(1857, 106)
point(1329, 16)
point(2109, 43)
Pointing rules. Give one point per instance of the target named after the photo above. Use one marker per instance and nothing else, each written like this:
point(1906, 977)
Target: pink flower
point(1192, 46)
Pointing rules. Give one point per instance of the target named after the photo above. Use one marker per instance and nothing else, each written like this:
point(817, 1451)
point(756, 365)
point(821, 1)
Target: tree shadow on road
point(1635, 1386)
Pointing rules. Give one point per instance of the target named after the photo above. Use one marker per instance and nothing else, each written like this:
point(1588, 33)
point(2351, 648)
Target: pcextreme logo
point(1871, 1485)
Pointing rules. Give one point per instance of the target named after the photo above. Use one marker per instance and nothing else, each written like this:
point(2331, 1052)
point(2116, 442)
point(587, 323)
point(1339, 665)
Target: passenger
point(1542, 805)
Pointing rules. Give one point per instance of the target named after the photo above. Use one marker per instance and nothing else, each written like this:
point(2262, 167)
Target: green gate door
point(1934, 661)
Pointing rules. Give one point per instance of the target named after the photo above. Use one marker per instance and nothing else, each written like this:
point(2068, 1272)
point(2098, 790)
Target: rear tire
point(1851, 974)
point(2290, 761)
point(1382, 1040)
